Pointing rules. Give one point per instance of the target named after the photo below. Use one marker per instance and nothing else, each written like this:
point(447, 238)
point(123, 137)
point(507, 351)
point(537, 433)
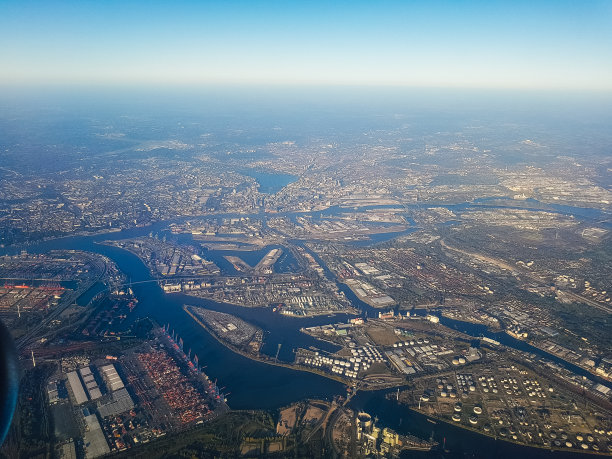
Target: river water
point(255, 385)
point(460, 443)
point(478, 330)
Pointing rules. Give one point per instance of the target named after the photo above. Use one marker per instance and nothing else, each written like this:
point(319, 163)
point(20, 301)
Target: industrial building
point(77, 388)
point(111, 377)
point(120, 403)
point(90, 383)
point(95, 443)
point(52, 392)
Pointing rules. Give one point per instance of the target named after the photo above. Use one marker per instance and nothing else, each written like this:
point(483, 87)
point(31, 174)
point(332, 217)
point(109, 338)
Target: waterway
point(251, 384)
point(285, 264)
point(256, 385)
point(269, 182)
point(478, 330)
point(86, 297)
point(460, 443)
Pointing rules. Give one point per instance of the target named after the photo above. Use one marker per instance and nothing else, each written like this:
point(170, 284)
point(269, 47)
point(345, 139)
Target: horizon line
point(142, 85)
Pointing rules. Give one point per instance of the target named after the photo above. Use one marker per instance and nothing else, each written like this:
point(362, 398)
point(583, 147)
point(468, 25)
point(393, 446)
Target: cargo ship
point(193, 364)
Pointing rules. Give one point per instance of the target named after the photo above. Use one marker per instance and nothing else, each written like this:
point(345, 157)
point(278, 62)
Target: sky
point(533, 44)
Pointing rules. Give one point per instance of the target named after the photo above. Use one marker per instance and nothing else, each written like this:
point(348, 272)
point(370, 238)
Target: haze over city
point(305, 229)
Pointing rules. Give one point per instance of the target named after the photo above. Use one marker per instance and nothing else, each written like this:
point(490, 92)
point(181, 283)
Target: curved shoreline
point(269, 361)
point(259, 358)
point(350, 311)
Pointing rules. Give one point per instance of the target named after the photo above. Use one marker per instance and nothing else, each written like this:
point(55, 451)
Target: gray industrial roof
point(95, 443)
point(120, 403)
point(77, 387)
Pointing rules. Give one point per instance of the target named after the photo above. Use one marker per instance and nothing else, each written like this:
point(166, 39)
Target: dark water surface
point(479, 330)
point(251, 384)
point(270, 182)
point(255, 385)
point(460, 443)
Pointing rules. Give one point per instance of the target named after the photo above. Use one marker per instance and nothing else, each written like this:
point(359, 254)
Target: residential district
point(262, 293)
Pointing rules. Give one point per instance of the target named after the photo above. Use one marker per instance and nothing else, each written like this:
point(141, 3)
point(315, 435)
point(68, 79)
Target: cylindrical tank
point(365, 421)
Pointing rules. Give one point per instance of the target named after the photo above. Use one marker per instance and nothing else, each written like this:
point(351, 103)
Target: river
point(255, 385)
point(460, 443)
point(478, 330)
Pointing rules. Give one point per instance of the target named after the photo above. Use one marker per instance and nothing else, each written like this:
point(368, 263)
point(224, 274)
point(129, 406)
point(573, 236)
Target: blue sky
point(474, 44)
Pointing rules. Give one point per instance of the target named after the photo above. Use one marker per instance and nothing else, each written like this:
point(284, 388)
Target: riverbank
point(329, 313)
point(476, 331)
point(494, 327)
point(550, 448)
point(252, 384)
point(578, 364)
point(269, 361)
point(259, 357)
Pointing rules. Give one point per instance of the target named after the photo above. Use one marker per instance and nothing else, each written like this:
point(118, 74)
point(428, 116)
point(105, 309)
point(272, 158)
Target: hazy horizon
point(546, 45)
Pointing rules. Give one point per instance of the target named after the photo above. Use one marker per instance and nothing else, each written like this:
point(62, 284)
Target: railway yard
point(396, 341)
point(31, 286)
point(355, 266)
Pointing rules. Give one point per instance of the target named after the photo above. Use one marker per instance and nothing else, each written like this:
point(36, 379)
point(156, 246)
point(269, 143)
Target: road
point(322, 422)
point(329, 430)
